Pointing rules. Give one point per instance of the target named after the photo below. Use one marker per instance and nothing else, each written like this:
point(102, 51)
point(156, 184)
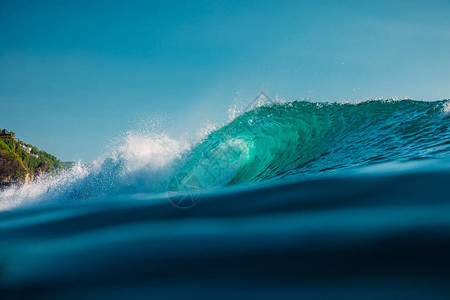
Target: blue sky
point(80, 73)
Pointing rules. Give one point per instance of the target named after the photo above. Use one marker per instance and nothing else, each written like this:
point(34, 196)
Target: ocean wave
point(271, 143)
point(303, 138)
point(297, 199)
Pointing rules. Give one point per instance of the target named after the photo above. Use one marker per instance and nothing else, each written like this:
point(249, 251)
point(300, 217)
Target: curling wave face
point(298, 139)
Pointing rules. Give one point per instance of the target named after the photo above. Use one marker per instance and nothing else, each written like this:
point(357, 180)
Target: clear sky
point(75, 75)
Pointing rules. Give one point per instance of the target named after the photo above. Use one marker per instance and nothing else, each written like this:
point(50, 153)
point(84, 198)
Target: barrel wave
point(286, 200)
point(303, 138)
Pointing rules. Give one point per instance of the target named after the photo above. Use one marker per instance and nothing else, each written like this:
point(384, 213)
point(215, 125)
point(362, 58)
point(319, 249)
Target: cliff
point(21, 162)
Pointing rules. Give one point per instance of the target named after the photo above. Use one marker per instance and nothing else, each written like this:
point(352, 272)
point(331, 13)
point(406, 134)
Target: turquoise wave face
point(304, 138)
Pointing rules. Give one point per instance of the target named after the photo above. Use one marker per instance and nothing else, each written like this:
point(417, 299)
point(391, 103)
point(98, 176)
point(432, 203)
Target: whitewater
point(297, 195)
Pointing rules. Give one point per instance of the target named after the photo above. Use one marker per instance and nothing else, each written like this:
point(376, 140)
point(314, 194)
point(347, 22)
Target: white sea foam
point(41, 188)
point(446, 108)
point(139, 160)
point(151, 151)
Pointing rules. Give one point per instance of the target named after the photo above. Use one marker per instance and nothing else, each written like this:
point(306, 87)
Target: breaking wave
point(271, 143)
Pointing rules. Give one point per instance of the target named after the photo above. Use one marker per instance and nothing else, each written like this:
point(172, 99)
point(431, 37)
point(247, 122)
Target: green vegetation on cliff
point(17, 159)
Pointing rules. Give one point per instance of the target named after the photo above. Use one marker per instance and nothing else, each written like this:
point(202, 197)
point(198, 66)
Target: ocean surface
point(287, 200)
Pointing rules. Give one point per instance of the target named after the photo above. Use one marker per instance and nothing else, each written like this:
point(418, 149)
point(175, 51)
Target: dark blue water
point(287, 201)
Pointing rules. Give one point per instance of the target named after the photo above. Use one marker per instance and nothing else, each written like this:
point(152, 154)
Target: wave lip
point(303, 138)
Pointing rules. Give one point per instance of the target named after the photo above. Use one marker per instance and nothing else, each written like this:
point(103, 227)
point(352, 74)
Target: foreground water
point(287, 200)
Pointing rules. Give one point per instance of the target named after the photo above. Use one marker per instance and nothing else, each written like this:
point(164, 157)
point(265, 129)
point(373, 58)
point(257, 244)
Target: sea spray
point(141, 163)
point(43, 189)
